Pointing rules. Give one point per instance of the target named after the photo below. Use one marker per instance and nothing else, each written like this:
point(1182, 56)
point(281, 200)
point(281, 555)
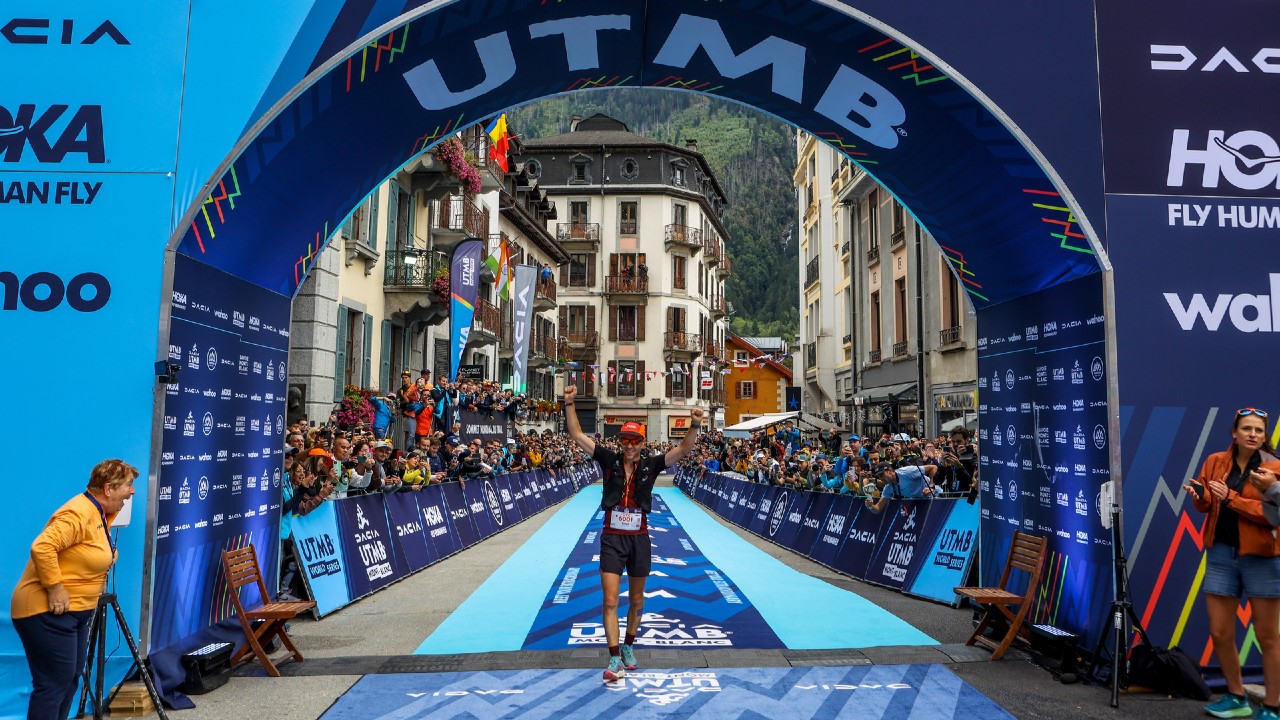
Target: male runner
point(624, 544)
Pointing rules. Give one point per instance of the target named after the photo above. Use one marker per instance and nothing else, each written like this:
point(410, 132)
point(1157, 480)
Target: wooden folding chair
point(241, 568)
point(1026, 554)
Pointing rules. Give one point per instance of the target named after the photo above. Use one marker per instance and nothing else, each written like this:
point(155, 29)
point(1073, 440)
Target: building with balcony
point(641, 299)
point(757, 382)
point(373, 306)
point(897, 352)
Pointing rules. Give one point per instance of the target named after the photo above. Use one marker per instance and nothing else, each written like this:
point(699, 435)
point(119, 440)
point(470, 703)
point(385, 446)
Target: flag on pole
point(499, 263)
point(500, 139)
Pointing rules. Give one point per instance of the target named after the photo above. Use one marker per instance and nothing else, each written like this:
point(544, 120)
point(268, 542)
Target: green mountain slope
point(753, 156)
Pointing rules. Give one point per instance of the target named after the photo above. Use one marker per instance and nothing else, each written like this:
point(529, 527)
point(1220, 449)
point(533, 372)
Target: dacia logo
point(28, 126)
point(38, 31)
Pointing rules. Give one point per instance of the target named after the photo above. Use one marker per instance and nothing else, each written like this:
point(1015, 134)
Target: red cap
point(632, 429)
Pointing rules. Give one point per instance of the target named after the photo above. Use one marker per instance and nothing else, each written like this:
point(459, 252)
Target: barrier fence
point(356, 546)
point(920, 547)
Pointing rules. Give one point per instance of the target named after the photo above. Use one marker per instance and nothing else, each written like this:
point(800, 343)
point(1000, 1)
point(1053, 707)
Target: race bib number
point(625, 518)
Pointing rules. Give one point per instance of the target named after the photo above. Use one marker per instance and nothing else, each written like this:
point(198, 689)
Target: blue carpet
point(880, 692)
point(798, 607)
point(689, 602)
point(498, 615)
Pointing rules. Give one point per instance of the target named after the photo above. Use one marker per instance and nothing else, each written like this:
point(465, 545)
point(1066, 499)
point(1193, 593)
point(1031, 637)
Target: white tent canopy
point(746, 427)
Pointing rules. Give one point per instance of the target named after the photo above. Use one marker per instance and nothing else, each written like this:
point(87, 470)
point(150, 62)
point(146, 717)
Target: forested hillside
point(753, 156)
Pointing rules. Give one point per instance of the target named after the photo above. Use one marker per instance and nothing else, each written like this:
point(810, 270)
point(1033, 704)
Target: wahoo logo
point(1248, 313)
point(80, 134)
point(1248, 160)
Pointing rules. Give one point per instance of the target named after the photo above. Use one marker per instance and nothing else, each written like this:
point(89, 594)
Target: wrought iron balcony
point(683, 236)
point(811, 271)
point(413, 268)
point(873, 254)
point(571, 232)
point(723, 269)
point(544, 296)
point(846, 247)
point(711, 349)
point(627, 227)
point(487, 323)
point(847, 339)
point(582, 339)
point(950, 336)
point(810, 356)
point(900, 348)
point(456, 217)
point(897, 237)
point(718, 309)
point(626, 285)
point(873, 356)
point(682, 342)
point(711, 249)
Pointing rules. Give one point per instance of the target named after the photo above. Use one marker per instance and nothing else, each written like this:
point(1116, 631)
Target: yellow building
point(756, 385)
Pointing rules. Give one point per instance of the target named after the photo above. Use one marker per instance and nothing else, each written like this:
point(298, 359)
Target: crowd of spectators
point(891, 465)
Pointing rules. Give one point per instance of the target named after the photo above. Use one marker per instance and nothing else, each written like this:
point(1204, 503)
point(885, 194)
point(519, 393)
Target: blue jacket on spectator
point(381, 416)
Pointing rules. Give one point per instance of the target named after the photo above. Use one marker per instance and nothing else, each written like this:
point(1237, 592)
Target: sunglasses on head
point(1251, 411)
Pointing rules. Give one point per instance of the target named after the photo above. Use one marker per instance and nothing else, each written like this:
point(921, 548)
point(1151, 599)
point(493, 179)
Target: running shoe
point(616, 671)
point(629, 657)
point(1265, 714)
point(1230, 706)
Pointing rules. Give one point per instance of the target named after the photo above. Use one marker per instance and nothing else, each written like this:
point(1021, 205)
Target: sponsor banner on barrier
point(861, 541)
point(486, 508)
point(408, 534)
point(896, 549)
point(439, 530)
point(792, 504)
point(813, 522)
point(460, 515)
point(762, 517)
point(507, 487)
point(366, 545)
point(832, 533)
point(319, 549)
point(944, 563)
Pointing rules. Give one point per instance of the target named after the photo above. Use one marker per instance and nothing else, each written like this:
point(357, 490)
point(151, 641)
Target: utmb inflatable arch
point(169, 172)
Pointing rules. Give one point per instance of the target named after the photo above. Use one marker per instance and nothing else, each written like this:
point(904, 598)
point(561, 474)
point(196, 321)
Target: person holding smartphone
point(1242, 559)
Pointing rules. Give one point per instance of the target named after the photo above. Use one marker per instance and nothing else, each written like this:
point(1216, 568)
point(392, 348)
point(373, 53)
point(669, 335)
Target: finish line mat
point(689, 603)
point(887, 692)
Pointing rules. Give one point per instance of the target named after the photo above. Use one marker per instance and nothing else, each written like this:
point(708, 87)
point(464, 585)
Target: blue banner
point(460, 515)
point(522, 325)
point(791, 505)
point(222, 440)
point(508, 486)
point(436, 523)
point(408, 535)
point(367, 549)
point(831, 537)
point(320, 557)
point(763, 499)
point(814, 522)
point(464, 287)
point(897, 546)
point(944, 564)
point(861, 541)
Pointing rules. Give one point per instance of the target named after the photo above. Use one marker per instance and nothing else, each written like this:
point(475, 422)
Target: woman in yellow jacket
point(59, 589)
point(1242, 559)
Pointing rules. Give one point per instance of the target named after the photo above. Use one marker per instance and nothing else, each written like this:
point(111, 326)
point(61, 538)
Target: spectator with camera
point(909, 482)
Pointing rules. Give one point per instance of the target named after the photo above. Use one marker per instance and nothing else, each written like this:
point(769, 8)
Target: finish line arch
point(986, 125)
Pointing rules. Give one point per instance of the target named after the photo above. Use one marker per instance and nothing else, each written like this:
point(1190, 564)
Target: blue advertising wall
point(1044, 440)
point(139, 126)
point(353, 547)
point(920, 547)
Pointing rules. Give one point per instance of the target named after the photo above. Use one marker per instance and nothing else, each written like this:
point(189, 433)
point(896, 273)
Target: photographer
point(903, 483)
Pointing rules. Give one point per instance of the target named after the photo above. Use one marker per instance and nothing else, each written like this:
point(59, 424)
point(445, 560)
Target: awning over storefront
point(746, 427)
point(902, 392)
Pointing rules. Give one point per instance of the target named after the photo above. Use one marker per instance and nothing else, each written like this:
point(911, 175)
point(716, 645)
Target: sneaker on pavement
point(1265, 714)
point(629, 657)
point(1230, 706)
point(616, 671)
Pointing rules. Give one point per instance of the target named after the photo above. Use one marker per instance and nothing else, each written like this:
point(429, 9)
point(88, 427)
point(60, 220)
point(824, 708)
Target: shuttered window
point(340, 358)
point(384, 368)
point(366, 352)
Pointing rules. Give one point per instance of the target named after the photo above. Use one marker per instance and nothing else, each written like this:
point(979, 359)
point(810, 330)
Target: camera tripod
point(1124, 619)
point(93, 676)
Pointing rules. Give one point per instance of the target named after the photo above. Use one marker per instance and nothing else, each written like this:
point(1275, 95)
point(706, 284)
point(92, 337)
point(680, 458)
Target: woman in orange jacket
point(1242, 559)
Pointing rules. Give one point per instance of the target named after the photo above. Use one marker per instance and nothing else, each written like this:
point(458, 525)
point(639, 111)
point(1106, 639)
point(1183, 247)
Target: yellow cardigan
point(73, 550)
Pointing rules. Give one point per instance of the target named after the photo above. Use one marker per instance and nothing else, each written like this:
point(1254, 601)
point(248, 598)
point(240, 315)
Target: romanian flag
point(497, 131)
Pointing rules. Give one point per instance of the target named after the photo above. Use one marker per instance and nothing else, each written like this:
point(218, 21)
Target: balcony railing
point(711, 249)
point(897, 237)
point(682, 342)
point(413, 267)
point(626, 285)
point(544, 294)
point(847, 339)
point(542, 345)
point(873, 254)
point(723, 269)
point(487, 318)
point(684, 236)
point(627, 227)
point(458, 214)
point(900, 348)
point(712, 349)
point(578, 232)
point(873, 356)
point(506, 341)
point(846, 247)
point(811, 272)
point(479, 148)
point(811, 356)
point(582, 338)
point(949, 336)
point(718, 308)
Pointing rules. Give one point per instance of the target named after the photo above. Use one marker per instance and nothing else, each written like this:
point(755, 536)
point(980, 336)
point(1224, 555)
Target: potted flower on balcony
point(355, 408)
point(459, 163)
point(440, 286)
